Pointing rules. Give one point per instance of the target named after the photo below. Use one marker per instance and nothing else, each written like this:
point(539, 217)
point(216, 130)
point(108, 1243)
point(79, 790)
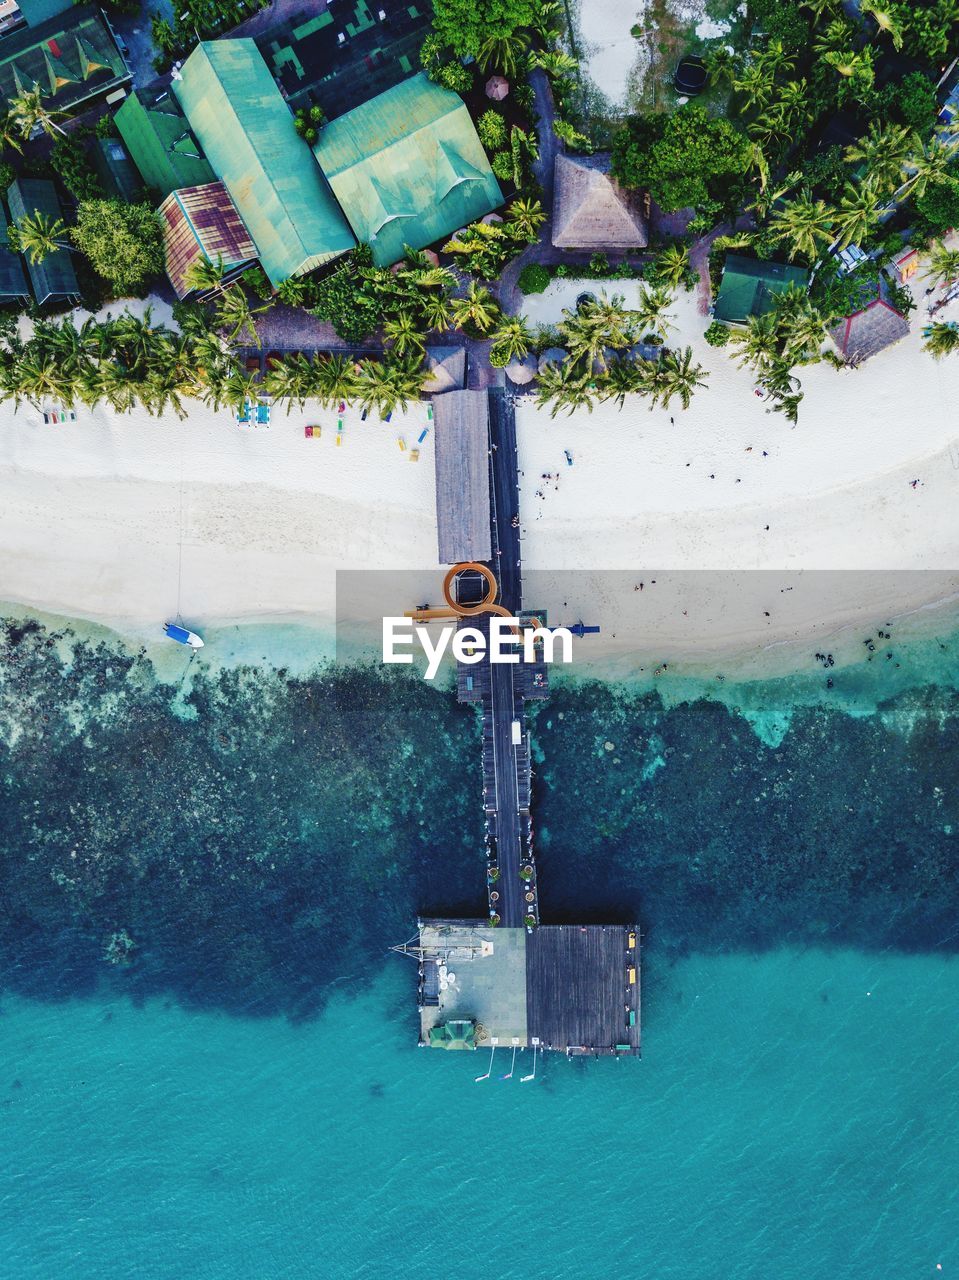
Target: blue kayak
point(182, 636)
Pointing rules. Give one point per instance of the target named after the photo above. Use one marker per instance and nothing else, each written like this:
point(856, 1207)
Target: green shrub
point(717, 335)
point(491, 128)
point(502, 166)
point(498, 357)
point(255, 278)
point(534, 278)
point(105, 127)
point(69, 160)
point(123, 241)
point(598, 264)
point(452, 76)
point(7, 174)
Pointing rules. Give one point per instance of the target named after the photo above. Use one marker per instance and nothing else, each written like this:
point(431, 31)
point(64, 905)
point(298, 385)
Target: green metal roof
point(407, 168)
point(157, 135)
point(13, 282)
point(116, 170)
point(748, 287)
point(72, 57)
point(37, 11)
point(453, 1035)
point(246, 130)
point(54, 277)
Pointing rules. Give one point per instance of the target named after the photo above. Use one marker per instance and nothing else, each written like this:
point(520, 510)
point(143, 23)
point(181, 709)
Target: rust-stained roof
point(202, 222)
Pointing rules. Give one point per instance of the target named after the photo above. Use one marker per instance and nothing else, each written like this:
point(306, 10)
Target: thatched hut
point(552, 355)
point(447, 366)
point(522, 371)
point(875, 326)
point(591, 210)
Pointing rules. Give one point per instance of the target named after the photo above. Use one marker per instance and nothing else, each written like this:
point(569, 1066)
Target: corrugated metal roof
point(13, 282)
point(54, 277)
point(461, 451)
point(408, 168)
point(202, 222)
point(157, 135)
point(246, 130)
point(749, 286)
point(116, 170)
point(72, 57)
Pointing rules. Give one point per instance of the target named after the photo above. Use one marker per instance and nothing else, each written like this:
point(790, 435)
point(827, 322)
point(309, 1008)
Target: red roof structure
point(876, 326)
point(203, 223)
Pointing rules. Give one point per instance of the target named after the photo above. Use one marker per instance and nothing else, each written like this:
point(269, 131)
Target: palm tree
point(787, 403)
point(886, 20)
point(650, 311)
point(800, 326)
point(943, 265)
point(930, 165)
point(942, 339)
point(883, 151)
point(334, 379)
point(436, 311)
point(834, 38)
point(524, 219)
point(404, 334)
point(622, 379)
point(758, 343)
point(478, 308)
point(671, 265)
point(858, 213)
point(819, 7)
point(512, 340)
point(234, 314)
point(37, 235)
point(804, 223)
point(289, 379)
point(206, 276)
point(503, 52)
point(27, 113)
point(556, 62)
point(565, 386)
point(755, 85)
point(9, 132)
point(677, 375)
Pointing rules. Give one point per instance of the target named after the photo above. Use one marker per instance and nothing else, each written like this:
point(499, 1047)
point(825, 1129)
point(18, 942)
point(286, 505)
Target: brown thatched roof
point(521, 371)
point(876, 326)
point(447, 366)
point(591, 210)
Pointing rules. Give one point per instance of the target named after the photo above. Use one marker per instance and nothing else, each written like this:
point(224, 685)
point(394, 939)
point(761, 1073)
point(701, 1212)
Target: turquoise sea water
point(782, 1122)
point(243, 1097)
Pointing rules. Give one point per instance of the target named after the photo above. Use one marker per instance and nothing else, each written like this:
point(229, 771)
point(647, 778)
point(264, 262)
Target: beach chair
point(414, 455)
point(401, 442)
point(339, 438)
point(312, 432)
point(422, 436)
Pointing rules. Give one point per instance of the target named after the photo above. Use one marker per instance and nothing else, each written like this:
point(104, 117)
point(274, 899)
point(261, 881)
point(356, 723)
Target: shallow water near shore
point(241, 1093)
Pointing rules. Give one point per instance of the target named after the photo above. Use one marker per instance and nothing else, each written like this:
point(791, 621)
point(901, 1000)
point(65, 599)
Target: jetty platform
point(509, 980)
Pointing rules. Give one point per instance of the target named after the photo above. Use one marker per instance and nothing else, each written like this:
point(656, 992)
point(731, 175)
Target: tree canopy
point(689, 158)
point(123, 241)
point(464, 25)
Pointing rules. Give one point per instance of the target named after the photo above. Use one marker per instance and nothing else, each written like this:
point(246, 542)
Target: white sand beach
point(93, 513)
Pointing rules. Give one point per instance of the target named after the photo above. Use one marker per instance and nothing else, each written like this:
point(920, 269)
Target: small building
point(408, 168)
point(749, 287)
point(904, 265)
point(591, 210)
point(246, 131)
point(36, 12)
point(157, 135)
point(13, 280)
point(117, 173)
point(875, 326)
point(72, 57)
point(461, 429)
point(53, 279)
point(203, 223)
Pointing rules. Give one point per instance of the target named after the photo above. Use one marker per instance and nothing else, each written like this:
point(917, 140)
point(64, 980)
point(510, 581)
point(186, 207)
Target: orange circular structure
point(487, 604)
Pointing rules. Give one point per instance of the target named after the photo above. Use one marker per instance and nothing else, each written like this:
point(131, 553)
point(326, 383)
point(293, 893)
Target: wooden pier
point(509, 980)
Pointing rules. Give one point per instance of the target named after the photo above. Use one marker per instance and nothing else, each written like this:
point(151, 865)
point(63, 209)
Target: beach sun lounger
point(414, 455)
point(401, 442)
point(312, 432)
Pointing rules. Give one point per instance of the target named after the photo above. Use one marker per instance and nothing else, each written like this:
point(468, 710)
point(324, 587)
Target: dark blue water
point(207, 1056)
